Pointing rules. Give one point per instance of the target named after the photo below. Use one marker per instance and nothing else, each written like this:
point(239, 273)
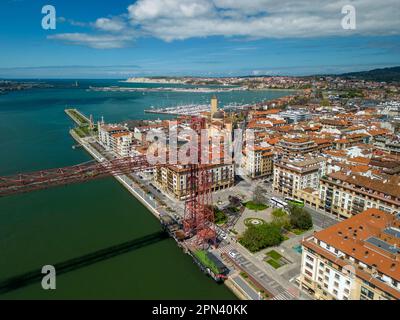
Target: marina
point(167, 89)
point(194, 109)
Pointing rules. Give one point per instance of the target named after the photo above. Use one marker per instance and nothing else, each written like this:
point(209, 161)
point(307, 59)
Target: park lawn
point(251, 205)
point(274, 255)
point(82, 131)
point(274, 263)
point(279, 213)
point(82, 120)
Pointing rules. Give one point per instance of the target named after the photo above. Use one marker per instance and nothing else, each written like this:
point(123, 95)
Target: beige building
point(258, 161)
point(357, 259)
point(121, 143)
point(346, 195)
point(173, 179)
point(292, 175)
point(295, 146)
point(309, 196)
point(106, 132)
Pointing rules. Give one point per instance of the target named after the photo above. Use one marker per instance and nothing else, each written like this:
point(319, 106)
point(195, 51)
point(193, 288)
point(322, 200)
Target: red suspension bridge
point(44, 179)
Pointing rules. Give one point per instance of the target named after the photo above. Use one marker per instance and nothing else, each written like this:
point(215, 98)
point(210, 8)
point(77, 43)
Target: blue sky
point(123, 38)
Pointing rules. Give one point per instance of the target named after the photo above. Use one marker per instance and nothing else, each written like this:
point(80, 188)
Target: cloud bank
point(171, 20)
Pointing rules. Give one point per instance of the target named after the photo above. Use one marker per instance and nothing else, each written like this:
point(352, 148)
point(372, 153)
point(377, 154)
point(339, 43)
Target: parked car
point(233, 253)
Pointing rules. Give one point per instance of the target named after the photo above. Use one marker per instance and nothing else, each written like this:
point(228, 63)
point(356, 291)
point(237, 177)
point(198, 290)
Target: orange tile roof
point(359, 169)
point(378, 132)
point(360, 160)
point(120, 134)
point(272, 141)
point(350, 237)
point(389, 187)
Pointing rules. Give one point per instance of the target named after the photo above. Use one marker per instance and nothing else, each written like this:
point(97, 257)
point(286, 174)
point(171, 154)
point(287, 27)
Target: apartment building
point(309, 196)
point(121, 143)
point(357, 259)
point(291, 175)
point(351, 140)
point(258, 161)
point(295, 116)
point(174, 178)
point(348, 194)
point(294, 146)
point(105, 132)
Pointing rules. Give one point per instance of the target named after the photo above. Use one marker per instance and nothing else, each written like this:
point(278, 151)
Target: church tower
point(214, 105)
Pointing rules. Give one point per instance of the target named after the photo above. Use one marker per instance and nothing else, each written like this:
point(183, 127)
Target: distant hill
point(385, 74)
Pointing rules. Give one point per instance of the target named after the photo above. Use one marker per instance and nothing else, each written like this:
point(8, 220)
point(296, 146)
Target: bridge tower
point(199, 219)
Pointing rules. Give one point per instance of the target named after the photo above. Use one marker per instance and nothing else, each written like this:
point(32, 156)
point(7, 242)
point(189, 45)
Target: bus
point(295, 202)
point(278, 203)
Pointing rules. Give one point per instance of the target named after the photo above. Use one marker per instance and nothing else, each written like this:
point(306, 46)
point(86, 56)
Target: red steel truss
point(199, 212)
point(44, 179)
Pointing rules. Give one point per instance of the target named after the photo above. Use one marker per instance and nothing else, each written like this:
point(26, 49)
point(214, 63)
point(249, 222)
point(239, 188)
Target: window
point(337, 276)
point(367, 293)
point(335, 292)
point(336, 284)
point(327, 270)
point(309, 266)
point(309, 258)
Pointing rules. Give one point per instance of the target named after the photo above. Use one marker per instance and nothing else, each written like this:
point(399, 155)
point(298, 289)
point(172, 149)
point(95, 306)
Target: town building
point(105, 133)
point(347, 194)
point(296, 145)
point(295, 116)
point(121, 143)
point(291, 175)
point(258, 161)
point(357, 259)
point(173, 179)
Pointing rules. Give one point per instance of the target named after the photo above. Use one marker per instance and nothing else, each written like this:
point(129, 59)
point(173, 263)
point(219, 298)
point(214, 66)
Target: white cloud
point(182, 19)
point(112, 25)
point(103, 41)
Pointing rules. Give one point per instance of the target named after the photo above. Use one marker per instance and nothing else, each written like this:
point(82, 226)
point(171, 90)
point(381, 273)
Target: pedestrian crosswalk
point(225, 248)
point(286, 295)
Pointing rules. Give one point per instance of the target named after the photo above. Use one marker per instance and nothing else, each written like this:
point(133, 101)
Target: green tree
point(300, 218)
point(219, 216)
point(281, 218)
point(256, 238)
